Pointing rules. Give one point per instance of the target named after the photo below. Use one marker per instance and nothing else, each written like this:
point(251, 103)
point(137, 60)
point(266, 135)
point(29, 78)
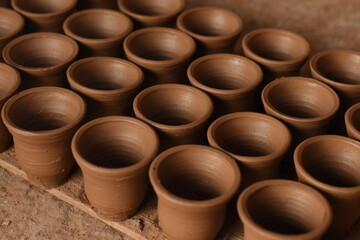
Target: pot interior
point(152, 8)
point(44, 6)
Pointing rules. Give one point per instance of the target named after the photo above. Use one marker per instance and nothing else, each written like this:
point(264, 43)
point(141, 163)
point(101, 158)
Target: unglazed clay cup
point(280, 52)
point(179, 113)
point(44, 15)
point(338, 69)
point(41, 58)
point(163, 53)
point(155, 13)
point(352, 121)
point(193, 184)
point(306, 105)
point(330, 163)
point(114, 154)
point(215, 29)
point(230, 80)
point(108, 84)
point(9, 83)
point(99, 32)
point(11, 24)
point(257, 141)
point(283, 210)
point(43, 121)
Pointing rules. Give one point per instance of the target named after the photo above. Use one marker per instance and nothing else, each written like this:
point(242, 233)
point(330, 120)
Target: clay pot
point(306, 105)
point(43, 121)
point(99, 32)
point(9, 83)
point(278, 51)
point(215, 29)
point(11, 26)
point(163, 53)
point(152, 13)
point(352, 121)
point(108, 4)
point(283, 210)
point(44, 15)
point(42, 58)
point(179, 113)
point(108, 85)
point(330, 163)
point(193, 184)
point(229, 79)
point(114, 154)
point(258, 142)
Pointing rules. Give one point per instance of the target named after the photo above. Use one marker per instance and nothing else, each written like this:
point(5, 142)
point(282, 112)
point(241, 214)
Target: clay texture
point(352, 121)
point(114, 154)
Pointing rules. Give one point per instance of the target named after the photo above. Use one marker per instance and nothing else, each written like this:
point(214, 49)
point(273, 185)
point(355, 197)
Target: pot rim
point(18, 28)
point(267, 88)
point(180, 23)
point(250, 159)
point(246, 218)
point(21, 131)
point(126, 21)
point(31, 36)
point(349, 191)
point(139, 98)
point(84, 89)
point(203, 59)
point(160, 189)
point(349, 122)
point(17, 81)
point(106, 171)
point(14, 5)
point(159, 63)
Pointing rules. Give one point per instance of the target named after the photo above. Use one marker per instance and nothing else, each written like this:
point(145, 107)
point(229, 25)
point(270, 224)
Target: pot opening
point(152, 8)
point(44, 6)
point(355, 120)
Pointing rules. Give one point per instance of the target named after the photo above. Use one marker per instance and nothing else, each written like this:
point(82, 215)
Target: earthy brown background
point(30, 213)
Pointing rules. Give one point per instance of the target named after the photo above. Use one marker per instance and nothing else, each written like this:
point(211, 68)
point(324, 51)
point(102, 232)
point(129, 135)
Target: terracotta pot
point(258, 142)
point(215, 29)
point(43, 121)
point(230, 80)
point(44, 15)
point(193, 183)
point(306, 105)
point(179, 113)
point(114, 154)
point(152, 13)
point(108, 4)
point(352, 121)
point(283, 210)
point(163, 53)
point(11, 26)
point(99, 32)
point(278, 51)
point(9, 83)
point(41, 58)
point(330, 163)
point(108, 84)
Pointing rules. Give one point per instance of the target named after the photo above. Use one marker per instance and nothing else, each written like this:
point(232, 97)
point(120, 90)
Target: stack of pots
point(138, 92)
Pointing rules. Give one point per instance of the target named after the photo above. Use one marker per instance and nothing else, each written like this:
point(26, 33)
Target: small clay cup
point(352, 121)
point(330, 163)
point(99, 32)
point(163, 53)
point(108, 84)
point(306, 105)
point(229, 79)
point(108, 4)
point(278, 51)
point(179, 113)
point(114, 154)
point(11, 24)
point(155, 13)
point(257, 141)
point(215, 29)
point(43, 121)
point(44, 15)
point(193, 184)
point(283, 210)
point(41, 58)
point(9, 83)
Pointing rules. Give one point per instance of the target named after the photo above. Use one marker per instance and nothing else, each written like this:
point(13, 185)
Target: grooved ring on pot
point(283, 209)
point(11, 24)
point(44, 9)
point(352, 121)
point(41, 51)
